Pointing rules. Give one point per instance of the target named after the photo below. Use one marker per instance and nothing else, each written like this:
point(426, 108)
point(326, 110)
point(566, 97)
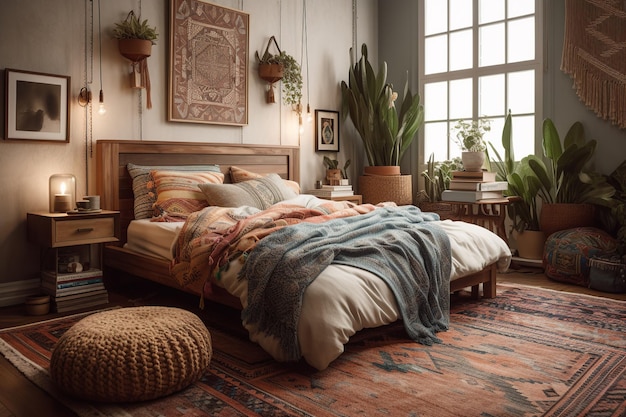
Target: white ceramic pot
point(473, 161)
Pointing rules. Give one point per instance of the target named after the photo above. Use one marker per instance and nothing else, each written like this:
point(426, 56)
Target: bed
point(324, 323)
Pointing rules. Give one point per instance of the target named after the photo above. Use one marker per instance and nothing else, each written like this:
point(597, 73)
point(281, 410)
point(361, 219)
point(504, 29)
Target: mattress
point(155, 239)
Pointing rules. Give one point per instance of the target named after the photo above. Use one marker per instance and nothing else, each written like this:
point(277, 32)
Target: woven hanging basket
point(381, 188)
point(135, 49)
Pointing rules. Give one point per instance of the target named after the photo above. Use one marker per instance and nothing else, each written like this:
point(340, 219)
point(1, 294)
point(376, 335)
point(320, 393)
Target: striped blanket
point(399, 244)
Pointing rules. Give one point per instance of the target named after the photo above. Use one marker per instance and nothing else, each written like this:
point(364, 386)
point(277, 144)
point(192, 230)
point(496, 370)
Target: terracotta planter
point(382, 170)
point(555, 217)
point(135, 49)
point(530, 244)
point(473, 161)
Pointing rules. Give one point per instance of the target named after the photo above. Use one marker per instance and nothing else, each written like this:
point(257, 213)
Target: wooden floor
point(21, 398)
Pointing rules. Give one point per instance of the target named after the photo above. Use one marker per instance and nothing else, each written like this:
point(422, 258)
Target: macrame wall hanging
point(594, 55)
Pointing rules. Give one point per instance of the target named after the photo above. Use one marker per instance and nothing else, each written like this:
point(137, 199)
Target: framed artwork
point(326, 130)
point(36, 106)
point(208, 77)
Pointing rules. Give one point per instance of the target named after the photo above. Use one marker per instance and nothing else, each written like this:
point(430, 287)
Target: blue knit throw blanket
point(399, 244)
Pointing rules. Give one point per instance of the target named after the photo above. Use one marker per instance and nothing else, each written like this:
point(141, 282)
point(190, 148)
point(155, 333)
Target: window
point(478, 59)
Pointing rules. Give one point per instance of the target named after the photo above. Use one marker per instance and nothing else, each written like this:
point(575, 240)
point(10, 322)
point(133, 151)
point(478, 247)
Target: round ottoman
point(131, 354)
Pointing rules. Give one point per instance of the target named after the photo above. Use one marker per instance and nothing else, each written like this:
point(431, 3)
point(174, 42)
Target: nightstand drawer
point(84, 229)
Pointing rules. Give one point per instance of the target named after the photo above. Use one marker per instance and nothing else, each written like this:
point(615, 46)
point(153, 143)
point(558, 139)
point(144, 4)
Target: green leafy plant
point(370, 102)
point(469, 134)
point(334, 164)
point(134, 28)
point(292, 73)
point(566, 177)
point(437, 176)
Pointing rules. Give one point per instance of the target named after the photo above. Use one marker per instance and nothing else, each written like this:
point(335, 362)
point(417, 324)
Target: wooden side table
point(489, 214)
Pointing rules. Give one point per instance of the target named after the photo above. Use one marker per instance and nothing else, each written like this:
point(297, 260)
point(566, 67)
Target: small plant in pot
point(469, 137)
point(135, 36)
point(334, 173)
point(281, 66)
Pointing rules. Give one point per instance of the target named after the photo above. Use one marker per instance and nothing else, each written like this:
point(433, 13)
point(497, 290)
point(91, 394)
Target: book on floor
point(70, 276)
point(470, 196)
point(473, 185)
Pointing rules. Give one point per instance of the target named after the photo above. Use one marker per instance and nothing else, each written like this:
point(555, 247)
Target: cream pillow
point(260, 193)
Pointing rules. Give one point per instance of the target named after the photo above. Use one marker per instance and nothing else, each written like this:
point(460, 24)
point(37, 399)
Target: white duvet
point(343, 300)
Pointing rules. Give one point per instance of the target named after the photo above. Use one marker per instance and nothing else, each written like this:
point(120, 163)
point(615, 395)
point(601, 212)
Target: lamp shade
point(62, 189)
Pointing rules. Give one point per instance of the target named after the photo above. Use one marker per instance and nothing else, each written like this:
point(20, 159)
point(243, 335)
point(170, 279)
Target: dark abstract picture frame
point(208, 77)
point(36, 106)
point(326, 130)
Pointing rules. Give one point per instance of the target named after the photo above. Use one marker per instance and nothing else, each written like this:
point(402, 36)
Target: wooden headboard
point(115, 187)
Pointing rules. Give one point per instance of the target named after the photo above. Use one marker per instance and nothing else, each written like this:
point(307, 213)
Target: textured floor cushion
point(567, 253)
point(131, 354)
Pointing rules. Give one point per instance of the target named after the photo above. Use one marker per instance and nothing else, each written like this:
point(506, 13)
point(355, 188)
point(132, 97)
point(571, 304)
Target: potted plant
point(567, 181)
point(281, 66)
point(386, 128)
point(437, 178)
point(469, 137)
point(333, 172)
point(135, 37)
point(523, 189)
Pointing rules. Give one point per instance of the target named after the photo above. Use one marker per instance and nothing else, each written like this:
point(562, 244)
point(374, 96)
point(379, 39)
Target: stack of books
point(75, 290)
point(473, 187)
point(330, 191)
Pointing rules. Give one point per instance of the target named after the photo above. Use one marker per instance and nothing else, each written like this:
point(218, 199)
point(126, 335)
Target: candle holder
point(62, 189)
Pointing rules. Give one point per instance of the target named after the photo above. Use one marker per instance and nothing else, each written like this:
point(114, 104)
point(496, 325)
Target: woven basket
point(443, 209)
point(382, 188)
point(131, 354)
point(563, 216)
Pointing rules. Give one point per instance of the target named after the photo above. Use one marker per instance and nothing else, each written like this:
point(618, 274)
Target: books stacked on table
point(474, 187)
point(75, 290)
point(331, 191)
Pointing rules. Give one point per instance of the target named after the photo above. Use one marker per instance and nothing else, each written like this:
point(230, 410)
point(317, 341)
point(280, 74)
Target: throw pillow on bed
point(239, 175)
point(178, 194)
point(260, 193)
point(144, 190)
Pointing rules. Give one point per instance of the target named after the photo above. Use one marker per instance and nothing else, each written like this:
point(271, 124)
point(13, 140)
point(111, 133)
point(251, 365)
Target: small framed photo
point(326, 130)
point(36, 106)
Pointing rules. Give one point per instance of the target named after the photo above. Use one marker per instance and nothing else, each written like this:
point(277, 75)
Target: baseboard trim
point(15, 292)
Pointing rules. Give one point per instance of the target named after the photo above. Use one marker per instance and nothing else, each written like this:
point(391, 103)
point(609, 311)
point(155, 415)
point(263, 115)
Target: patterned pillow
point(260, 193)
point(239, 175)
point(567, 253)
point(144, 189)
point(178, 194)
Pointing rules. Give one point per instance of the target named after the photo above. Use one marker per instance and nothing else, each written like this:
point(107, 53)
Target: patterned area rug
point(528, 352)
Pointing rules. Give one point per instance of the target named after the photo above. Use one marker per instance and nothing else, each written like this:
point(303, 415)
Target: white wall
point(54, 37)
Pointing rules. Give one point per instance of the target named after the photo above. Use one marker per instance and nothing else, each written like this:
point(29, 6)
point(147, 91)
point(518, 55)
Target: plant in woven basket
point(334, 164)
point(134, 28)
point(291, 74)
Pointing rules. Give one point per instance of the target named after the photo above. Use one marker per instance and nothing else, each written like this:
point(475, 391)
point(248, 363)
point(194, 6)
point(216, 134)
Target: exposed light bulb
point(309, 116)
point(301, 129)
point(101, 108)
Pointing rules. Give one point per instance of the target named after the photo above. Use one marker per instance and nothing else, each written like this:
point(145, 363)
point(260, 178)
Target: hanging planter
point(135, 40)
point(280, 67)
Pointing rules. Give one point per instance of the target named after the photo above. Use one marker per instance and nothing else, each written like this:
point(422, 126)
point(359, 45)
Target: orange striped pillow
point(178, 194)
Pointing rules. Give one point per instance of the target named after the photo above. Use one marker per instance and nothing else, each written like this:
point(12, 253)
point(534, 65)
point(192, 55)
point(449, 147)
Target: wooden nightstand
point(60, 230)
point(356, 199)
point(70, 272)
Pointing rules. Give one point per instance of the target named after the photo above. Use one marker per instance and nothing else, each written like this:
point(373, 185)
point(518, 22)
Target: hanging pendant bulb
point(101, 108)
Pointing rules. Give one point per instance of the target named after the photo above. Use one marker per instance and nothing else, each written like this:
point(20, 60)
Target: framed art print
point(326, 130)
point(36, 106)
point(208, 77)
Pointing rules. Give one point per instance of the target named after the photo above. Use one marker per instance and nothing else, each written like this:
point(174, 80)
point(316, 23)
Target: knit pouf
point(131, 354)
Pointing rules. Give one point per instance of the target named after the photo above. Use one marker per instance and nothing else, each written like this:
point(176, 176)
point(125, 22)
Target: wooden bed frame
point(114, 185)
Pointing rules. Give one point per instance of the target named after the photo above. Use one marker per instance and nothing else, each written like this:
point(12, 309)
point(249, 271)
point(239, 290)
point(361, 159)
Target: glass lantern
point(62, 193)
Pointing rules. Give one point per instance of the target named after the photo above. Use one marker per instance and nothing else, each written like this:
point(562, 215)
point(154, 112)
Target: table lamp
point(62, 193)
